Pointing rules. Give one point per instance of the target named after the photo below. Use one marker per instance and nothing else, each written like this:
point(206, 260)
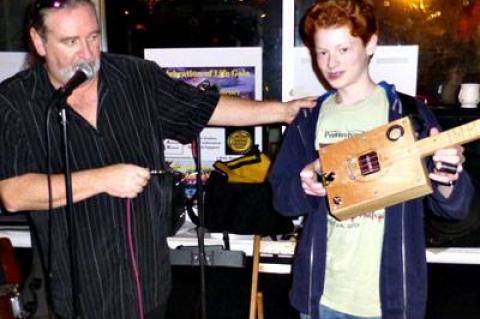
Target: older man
point(117, 122)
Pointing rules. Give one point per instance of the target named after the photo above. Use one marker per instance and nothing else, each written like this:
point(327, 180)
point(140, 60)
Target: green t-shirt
point(354, 246)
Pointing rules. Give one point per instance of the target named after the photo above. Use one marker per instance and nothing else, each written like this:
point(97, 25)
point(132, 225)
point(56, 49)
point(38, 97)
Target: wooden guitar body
point(383, 167)
point(376, 169)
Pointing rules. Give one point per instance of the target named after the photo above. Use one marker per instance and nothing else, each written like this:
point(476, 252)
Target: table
point(20, 237)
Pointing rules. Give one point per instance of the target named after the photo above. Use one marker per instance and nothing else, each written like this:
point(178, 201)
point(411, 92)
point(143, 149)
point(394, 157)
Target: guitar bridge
point(368, 163)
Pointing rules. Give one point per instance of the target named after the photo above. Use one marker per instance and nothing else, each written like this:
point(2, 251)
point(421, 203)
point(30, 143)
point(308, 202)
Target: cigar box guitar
point(383, 166)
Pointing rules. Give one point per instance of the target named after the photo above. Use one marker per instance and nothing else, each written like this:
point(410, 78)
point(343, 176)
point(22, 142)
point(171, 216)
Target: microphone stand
point(196, 150)
point(59, 100)
point(69, 209)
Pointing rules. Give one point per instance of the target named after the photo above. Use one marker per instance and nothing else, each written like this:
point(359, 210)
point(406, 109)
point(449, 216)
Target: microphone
point(83, 73)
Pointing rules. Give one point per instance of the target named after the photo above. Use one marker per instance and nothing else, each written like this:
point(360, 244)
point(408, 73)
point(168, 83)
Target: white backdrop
point(11, 63)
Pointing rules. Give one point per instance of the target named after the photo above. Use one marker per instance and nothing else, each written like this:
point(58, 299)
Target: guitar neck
point(458, 135)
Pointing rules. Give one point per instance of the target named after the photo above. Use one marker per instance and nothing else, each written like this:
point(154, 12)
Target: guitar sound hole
point(369, 163)
point(395, 132)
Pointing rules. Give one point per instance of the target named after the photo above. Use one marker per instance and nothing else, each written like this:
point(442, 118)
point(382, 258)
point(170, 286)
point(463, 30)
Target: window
point(448, 35)
point(135, 25)
point(12, 17)
point(447, 32)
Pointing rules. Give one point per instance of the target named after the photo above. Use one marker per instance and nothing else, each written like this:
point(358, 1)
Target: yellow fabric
point(247, 173)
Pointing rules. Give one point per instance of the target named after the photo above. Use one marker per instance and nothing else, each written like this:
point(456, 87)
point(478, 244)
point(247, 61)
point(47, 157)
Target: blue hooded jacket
point(403, 273)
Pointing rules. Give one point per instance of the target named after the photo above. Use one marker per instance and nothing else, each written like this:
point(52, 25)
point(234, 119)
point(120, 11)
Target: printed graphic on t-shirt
point(355, 222)
point(339, 135)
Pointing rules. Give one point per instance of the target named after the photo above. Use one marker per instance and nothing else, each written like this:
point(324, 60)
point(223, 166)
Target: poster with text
point(392, 63)
point(231, 71)
point(396, 64)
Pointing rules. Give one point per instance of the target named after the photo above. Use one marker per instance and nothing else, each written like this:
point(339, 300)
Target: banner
point(234, 72)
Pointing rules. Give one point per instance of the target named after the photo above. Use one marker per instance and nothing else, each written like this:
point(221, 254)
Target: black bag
point(171, 188)
point(241, 207)
point(174, 191)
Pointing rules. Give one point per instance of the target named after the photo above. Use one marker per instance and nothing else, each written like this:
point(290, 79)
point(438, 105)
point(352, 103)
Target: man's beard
point(68, 72)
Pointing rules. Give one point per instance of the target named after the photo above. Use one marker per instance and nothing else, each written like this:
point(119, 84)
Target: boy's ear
point(372, 44)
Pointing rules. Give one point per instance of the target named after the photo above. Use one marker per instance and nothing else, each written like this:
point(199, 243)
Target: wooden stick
point(253, 292)
point(260, 305)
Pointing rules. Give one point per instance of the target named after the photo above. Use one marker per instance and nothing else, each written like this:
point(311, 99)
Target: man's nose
point(87, 49)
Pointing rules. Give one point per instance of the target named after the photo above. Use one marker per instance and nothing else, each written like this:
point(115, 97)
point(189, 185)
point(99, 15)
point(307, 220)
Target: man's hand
point(29, 192)
point(448, 164)
point(293, 107)
point(310, 183)
point(123, 180)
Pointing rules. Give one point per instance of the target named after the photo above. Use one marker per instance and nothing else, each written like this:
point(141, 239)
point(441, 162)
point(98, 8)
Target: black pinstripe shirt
point(139, 106)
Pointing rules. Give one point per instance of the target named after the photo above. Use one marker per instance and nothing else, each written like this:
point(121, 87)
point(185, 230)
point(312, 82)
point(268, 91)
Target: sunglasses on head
point(36, 19)
point(40, 5)
point(47, 4)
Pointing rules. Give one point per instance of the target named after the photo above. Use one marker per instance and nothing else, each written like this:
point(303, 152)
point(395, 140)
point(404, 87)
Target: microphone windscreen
point(88, 69)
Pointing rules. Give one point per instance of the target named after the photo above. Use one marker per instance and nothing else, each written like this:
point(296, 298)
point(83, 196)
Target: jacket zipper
point(310, 282)
point(304, 142)
point(404, 266)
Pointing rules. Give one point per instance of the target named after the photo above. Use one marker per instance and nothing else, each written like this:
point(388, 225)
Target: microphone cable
point(133, 259)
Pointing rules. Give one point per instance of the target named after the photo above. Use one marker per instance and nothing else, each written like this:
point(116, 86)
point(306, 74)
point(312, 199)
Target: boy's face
point(342, 58)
